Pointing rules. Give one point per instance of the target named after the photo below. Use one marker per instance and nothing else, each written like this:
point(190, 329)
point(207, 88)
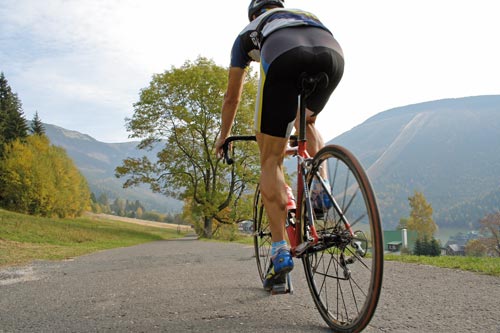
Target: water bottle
point(291, 204)
point(291, 207)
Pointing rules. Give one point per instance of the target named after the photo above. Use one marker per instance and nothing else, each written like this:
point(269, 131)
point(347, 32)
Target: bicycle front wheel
point(261, 235)
point(344, 269)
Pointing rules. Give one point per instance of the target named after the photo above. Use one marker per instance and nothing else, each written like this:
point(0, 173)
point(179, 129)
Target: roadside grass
point(483, 265)
point(245, 240)
point(24, 238)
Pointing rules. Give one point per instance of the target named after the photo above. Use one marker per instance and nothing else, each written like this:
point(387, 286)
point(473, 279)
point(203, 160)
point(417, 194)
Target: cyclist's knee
point(272, 150)
point(311, 118)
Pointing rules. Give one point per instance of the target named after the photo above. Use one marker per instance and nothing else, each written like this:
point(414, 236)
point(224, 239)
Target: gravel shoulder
point(195, 286)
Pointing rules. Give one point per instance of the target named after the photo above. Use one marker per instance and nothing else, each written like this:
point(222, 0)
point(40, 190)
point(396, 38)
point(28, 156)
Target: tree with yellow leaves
point(40, 179)
point(421, 216)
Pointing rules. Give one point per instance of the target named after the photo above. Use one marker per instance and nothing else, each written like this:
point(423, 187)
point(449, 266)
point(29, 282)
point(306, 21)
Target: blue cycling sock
point(276, 246)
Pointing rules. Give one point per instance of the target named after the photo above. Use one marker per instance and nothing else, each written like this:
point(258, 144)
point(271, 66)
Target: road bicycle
point(334, 229)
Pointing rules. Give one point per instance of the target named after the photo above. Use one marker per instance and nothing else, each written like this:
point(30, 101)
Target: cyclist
point(286, 42)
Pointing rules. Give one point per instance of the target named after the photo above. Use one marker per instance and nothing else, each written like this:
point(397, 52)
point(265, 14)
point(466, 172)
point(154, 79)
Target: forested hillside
point(447, 149)
point(98, 160)
point(35, 176)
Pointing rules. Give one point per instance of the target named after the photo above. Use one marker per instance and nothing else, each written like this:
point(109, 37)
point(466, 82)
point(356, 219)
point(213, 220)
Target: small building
point(455, 250)
point(397, 240)
point(394, 246)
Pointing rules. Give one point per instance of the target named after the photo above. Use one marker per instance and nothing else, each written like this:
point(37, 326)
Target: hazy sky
point(82, 63)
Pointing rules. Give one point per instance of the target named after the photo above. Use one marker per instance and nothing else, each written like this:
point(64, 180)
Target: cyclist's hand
point(219, 151)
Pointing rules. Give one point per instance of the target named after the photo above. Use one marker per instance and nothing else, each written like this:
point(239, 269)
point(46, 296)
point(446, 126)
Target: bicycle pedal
point(280, 288)
point(301, 248)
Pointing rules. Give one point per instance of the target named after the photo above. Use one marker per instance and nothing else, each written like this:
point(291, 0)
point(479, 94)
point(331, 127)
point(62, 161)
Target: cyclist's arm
point(230, 105)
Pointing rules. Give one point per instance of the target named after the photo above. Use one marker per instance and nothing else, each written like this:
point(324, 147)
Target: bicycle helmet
point(256, 5)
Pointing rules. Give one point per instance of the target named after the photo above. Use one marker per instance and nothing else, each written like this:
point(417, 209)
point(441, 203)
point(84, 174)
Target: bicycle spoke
point(353, 295)
point(351, 281)
point(324, 275)
point(341, 292)
point(334, 173)
point(345, 191)
point(345, 209)
point(359, 259)
point(357, 220)
point(262, 236)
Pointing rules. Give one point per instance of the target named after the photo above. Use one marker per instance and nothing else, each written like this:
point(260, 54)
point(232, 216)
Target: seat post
point(308, 84)
point(302, 117)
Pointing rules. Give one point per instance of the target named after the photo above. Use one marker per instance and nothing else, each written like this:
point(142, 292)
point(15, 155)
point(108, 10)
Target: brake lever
point(225, 148)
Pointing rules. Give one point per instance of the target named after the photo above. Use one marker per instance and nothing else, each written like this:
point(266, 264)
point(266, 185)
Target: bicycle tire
point(261, 235)
point(344, 283)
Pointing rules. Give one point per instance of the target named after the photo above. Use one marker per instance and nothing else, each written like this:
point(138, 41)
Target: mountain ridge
point(97, 162)
point(447, 149)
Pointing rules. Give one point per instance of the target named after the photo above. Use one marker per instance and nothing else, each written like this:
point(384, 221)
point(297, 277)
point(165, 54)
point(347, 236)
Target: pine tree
point(37, 127)
point(426, 249)
point(435, 248)
point(103, 199)
point(12, 122)
point(418, 247)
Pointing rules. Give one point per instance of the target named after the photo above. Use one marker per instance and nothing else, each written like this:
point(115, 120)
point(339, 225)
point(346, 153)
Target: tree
point(421, 216)
point(181, 111)
point(36, 126)
point(103, 202)
point(138, 212)
point(418, 247)
point(476, 248)
point(435, 248)
point(426, 247)
point(403, 223)
point(118, 207)
point(94, 204)
point(490, 224)
point(40, 179)
point(103, 199)
point(12, 122)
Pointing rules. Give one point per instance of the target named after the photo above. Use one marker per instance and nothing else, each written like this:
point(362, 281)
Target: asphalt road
point(196, 286)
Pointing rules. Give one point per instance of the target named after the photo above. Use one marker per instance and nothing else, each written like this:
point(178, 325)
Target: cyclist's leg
point(272, 182)
point(272, 189)
point(274, 118)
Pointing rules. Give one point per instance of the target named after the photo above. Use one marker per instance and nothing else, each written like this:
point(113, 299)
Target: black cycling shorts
point(285, 55)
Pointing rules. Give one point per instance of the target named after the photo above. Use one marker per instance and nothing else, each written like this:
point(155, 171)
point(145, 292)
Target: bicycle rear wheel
point(344, 269)
point(261, 235)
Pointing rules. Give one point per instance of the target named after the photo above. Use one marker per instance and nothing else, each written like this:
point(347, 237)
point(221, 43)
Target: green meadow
point(24, 238)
